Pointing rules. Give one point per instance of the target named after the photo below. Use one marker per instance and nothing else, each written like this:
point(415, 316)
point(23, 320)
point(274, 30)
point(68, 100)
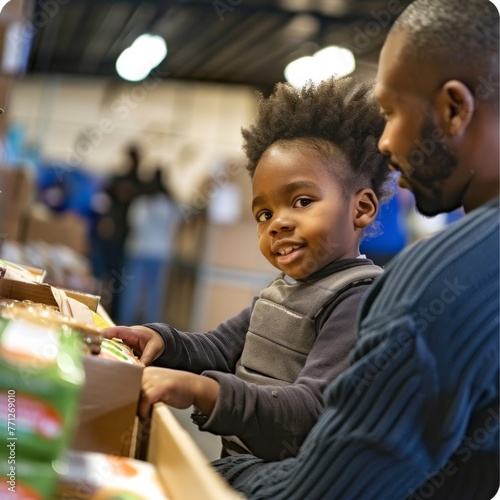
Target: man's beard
point(428, 178)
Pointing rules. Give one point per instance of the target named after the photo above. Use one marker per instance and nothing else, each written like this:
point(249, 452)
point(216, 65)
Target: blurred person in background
point(153, 219)
point(112, 227)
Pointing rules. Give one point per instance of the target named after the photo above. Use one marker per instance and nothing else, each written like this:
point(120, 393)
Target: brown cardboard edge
point(91, 301)
point(41, 293)
point(182, 468)
point(106, 421)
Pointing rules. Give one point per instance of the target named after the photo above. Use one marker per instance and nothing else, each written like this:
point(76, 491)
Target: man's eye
point(263, 216)
point(302, 202)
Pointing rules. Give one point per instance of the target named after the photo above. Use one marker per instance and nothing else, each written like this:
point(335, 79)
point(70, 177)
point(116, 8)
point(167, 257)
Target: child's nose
point(281, 223)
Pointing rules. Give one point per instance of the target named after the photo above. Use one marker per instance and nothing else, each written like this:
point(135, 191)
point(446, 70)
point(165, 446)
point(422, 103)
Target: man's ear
point(365, 208)
point(456, 107)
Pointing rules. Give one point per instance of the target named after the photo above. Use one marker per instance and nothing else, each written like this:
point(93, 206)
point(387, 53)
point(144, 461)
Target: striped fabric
point(416, 413)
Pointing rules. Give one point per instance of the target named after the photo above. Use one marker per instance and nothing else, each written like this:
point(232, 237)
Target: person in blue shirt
point(154, 218)
point(390, 232)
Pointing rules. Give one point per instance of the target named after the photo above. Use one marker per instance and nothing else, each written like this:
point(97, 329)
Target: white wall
point(192, 126)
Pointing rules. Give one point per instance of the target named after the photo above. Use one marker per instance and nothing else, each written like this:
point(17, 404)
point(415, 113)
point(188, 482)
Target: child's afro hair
point(334, 115)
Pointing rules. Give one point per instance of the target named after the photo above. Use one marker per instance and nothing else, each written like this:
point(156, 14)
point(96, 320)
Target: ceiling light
point(299, 71)
point(130, 66)
point(330, 61)
point(3, 3)
point(152, 48)
point(335, 61)
point(136, 62)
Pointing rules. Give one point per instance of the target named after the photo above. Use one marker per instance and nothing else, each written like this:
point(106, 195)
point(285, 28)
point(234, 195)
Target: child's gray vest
point(284, 324)
point(276, 349)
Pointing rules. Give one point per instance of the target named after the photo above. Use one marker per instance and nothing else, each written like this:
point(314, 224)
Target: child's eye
point(263, 216)
point(302, 202)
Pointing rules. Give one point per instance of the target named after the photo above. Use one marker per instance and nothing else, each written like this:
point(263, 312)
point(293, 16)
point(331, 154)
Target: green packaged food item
point(116, 350)
point(41, 377)
point(27, 480)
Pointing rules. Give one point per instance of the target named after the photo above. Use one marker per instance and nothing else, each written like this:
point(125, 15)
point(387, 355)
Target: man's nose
point(383, 143)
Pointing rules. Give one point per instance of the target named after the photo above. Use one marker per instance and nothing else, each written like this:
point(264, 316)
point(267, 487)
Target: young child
point(317, 177)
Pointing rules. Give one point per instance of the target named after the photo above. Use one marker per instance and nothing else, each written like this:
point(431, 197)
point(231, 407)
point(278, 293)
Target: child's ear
point(365, 208)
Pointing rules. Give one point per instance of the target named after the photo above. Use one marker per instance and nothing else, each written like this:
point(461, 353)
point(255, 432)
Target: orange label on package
point(18, 491)
point(34, 416)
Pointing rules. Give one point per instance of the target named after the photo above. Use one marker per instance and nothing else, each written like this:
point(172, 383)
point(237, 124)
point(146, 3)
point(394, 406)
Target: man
point(416, 413)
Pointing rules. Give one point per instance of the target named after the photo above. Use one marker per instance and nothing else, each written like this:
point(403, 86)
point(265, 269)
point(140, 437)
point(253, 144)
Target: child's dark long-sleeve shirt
point(271, 420)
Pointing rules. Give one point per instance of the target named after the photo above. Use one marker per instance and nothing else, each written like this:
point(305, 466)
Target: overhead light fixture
point(3, 3)
point(330, 61)
point(301, 70)
point(136, 62)
point(152, 48)
point(334, 61)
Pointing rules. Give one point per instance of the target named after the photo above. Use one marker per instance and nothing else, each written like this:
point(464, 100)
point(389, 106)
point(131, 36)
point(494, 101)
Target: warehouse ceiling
point(231, 41)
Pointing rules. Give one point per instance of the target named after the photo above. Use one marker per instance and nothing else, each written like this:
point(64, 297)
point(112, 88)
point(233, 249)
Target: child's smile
point(301, 212)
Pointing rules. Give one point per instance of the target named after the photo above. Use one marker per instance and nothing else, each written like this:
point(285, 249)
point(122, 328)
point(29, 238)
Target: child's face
point(304, 221)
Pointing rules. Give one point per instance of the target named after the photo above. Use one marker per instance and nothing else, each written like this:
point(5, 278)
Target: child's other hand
point(145, 342)
point(178, 389)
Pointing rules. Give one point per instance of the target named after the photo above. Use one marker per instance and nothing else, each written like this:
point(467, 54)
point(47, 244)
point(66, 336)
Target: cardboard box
point(107, 422)
point(109, 400)
point(234, 246)
point(65, 228)
point(37, 274)
point(217, 301)
point(222, 293)
point(41, 293)
point(17, 192)
point(108, 407)
point(182, 468)
point(32, 273)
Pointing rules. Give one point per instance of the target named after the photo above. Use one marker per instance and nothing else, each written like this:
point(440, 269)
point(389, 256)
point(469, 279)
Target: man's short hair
point(463, 33)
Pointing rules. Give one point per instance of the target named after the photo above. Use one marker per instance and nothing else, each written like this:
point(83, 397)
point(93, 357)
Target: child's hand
point(144, 341)
point(178, 389)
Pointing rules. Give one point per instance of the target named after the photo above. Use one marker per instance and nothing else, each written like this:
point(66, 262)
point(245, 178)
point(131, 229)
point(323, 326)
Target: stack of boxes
point(17, 194)
point(75, 426)
point(41, 378)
